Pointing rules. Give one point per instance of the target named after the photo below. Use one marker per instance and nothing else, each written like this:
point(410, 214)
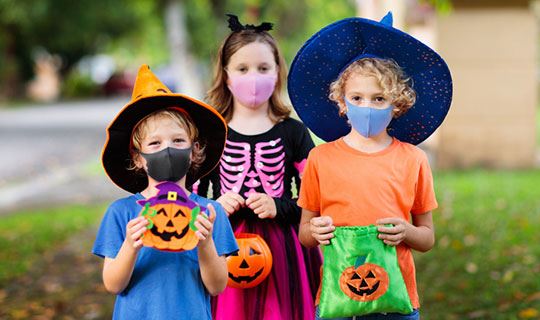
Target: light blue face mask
point(368, 121)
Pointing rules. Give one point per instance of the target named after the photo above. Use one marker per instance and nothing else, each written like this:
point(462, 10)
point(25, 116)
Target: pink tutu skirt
point(289, 290)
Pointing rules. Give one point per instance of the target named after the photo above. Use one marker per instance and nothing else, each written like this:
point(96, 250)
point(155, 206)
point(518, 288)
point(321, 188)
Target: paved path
point(51, 153)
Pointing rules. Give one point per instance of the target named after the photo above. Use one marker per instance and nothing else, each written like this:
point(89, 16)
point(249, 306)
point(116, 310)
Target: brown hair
point(182, 119)
point(219, 95)
point(390, 76)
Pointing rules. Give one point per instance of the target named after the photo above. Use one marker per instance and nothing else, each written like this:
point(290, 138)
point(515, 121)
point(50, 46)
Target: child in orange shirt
point(372, 173)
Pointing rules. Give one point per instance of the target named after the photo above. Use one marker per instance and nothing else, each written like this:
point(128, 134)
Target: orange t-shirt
point(356, 189)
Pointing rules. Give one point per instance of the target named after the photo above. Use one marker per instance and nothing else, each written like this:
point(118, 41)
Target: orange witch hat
point(150, 95)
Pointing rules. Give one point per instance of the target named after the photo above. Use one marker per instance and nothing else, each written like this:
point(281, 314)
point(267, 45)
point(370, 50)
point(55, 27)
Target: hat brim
point(321, 59)
point(116, 156)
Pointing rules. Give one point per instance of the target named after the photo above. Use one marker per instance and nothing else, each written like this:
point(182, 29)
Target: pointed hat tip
point(388, 19)
point(147, 84)
point(144, 67)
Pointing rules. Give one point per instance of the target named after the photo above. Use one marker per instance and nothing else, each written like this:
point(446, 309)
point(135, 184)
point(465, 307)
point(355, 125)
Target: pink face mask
point(251, 90)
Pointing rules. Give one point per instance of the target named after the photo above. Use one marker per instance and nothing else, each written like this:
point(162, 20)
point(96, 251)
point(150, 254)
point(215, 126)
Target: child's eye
point(153, 143)
point(379, 100)
point(355, 98)
point(179, 140)
point(264, 69)
point(243, 69)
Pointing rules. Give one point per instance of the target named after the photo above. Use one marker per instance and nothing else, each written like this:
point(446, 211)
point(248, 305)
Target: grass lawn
point(485, 265)
point(486, 262)
point(24, 236)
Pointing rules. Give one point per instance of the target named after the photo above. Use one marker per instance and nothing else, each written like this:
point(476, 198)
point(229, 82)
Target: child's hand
point(205, 225)
point(134, 230)
point(262, 204)
point(231, 202)
point(322, 229)
point(393, 235)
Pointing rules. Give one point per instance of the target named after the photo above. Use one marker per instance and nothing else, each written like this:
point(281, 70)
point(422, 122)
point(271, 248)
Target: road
point(51, 153)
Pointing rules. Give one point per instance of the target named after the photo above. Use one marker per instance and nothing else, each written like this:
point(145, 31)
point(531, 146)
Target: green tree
point(134, 31)
point(294, 21)
point(68, 28)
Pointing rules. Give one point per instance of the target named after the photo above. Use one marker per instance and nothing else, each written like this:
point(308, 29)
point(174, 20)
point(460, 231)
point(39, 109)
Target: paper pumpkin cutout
point(171, 215)
point(251, 264)
point(364, 281)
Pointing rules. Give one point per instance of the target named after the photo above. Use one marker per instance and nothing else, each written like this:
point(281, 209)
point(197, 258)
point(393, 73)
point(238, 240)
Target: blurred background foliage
point(134, 32)
point(69, 29)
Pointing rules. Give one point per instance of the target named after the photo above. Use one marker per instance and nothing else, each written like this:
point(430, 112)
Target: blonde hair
point(183, 120)
point(219, 94)
point(390, 76)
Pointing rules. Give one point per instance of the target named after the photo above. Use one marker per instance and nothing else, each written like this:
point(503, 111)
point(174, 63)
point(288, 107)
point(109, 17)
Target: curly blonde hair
point(220, 97)
point(183, 120)
point(395, 84)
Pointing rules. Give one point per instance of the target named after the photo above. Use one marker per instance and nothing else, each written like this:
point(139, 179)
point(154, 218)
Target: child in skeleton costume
point(265, 151)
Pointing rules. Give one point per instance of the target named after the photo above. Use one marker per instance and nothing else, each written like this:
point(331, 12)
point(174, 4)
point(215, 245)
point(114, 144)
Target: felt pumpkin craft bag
point(251, 264)
point(171, 215)
point(361, 275)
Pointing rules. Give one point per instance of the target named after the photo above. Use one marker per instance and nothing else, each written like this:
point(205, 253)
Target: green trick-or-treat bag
point(361, 275)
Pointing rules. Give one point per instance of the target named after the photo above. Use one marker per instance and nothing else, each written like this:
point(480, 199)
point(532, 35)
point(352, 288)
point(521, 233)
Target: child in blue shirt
point(161, 136)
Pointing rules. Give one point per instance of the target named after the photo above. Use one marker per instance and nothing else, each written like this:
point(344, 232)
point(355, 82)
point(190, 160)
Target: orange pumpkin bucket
point(251, 264)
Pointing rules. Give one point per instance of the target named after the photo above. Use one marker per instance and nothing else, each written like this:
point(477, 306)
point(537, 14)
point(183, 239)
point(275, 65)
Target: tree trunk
point(9, 75)
point(187, 78)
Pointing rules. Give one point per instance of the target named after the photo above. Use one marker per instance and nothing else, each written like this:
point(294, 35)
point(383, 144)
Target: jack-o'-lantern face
point(251, 264)
point(367, 282)
point(170, 221)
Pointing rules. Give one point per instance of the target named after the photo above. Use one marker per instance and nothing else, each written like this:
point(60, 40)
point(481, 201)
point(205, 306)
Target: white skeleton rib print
point(264, 167)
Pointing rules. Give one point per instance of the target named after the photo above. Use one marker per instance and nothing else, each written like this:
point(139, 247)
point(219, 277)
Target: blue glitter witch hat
point(328, 52)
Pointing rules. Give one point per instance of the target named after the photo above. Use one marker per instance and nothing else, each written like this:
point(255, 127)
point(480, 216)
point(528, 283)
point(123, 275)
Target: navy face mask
point(169, 164)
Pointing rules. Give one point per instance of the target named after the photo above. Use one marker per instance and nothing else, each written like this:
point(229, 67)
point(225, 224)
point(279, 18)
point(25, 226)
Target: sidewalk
point(51, 154)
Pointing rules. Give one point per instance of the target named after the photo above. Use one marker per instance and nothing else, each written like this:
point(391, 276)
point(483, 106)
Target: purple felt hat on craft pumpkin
point(169, 192)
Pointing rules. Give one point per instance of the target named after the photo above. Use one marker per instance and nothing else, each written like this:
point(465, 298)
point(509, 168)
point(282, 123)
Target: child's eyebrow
point(180, 131)
point(376, 93)
point(150, 137)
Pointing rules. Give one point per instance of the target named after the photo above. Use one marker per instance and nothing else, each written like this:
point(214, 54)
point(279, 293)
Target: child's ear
point(395, 112)
point(226, 77)
point(342, 107)
point(137, 160)
point(194, 148)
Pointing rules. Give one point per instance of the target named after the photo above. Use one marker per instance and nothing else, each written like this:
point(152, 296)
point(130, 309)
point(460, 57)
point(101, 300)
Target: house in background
point(491, 47)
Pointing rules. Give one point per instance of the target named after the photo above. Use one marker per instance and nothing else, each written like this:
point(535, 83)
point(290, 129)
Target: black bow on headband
point(236, 26)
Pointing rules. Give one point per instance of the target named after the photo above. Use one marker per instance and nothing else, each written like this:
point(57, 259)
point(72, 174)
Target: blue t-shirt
point(164, 285)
